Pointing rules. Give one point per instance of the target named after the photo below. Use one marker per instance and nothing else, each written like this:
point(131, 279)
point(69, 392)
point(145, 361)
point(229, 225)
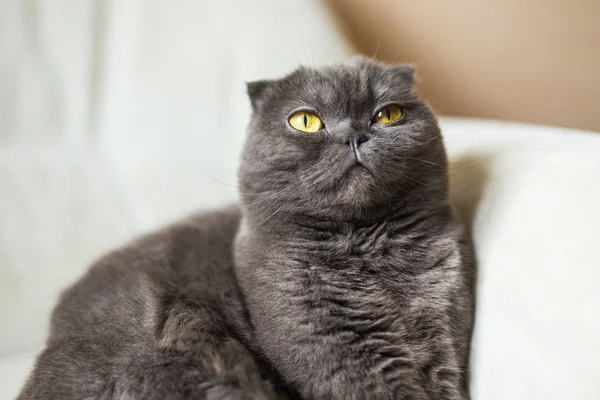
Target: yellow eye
point(388, 114)
point(306, 121)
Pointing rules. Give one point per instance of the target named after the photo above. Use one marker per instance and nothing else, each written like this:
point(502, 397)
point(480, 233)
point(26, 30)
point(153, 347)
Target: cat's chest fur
point(354, 282)
point(373, 254)
point(365, 265)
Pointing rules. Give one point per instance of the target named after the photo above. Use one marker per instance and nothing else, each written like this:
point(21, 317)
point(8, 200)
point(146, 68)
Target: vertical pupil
point(305, 121)
point(389, 116)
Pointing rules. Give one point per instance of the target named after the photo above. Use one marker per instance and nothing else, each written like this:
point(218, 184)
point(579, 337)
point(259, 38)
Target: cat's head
point(340, 142)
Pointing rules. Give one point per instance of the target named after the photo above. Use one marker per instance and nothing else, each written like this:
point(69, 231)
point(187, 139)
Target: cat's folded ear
point(404, 71)
point(259, 91)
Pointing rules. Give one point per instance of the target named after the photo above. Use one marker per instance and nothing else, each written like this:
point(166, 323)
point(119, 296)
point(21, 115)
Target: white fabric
point(118, 116)
point(534, 194)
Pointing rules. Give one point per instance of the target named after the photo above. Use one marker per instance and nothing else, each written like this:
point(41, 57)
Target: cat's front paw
point(168, 374)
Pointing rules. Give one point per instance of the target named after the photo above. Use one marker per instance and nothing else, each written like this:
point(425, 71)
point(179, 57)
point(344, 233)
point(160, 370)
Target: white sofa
point(117, 117)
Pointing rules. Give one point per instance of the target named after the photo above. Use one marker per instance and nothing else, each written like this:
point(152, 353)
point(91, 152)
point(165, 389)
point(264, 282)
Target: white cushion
point(534, 193)
point(14, 370)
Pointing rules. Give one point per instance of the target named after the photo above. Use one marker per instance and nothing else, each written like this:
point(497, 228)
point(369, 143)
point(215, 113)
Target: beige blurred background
point(523, 60)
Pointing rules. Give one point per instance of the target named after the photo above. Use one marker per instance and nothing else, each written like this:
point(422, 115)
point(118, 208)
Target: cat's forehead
point(359, 81)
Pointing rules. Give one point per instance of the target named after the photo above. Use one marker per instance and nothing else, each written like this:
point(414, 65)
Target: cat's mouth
point(356, 163)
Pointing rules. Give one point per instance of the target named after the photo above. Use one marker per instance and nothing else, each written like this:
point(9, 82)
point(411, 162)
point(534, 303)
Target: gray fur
point(334, 280)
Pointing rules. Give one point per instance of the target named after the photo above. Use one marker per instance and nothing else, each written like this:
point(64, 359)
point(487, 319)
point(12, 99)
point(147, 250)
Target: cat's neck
point(393, 217)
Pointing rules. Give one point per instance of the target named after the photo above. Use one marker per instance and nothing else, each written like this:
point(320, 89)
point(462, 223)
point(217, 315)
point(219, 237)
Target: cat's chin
point(357, 171)
point(355, 178)
point(357, 186)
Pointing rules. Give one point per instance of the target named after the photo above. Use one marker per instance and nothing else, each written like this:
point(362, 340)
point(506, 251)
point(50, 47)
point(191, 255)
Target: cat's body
point(161, 318)
point(343, 276)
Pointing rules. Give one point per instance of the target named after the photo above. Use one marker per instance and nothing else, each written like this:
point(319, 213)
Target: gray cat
point(343, 275)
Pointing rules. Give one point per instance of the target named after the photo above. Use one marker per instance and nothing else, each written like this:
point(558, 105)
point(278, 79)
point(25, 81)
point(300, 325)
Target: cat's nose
point(356, 139)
